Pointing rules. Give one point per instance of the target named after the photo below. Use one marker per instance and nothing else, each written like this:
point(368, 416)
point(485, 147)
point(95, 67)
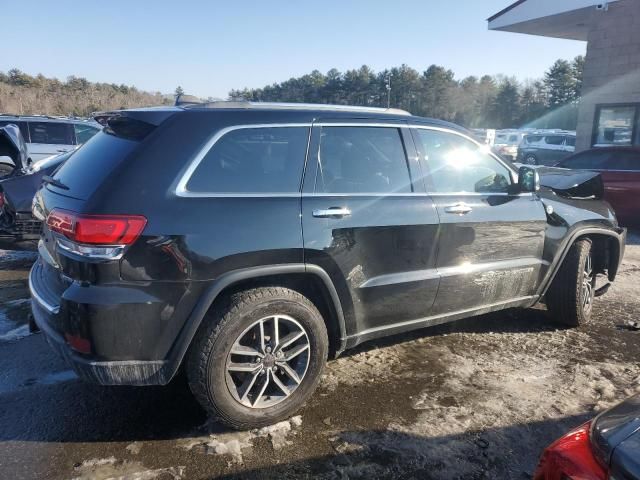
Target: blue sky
point(209, 47)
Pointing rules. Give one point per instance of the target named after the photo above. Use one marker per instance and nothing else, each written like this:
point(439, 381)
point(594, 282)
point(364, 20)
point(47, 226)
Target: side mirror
point(528, 179)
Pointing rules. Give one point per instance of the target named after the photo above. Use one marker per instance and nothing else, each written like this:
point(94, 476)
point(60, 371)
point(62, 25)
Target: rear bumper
point(104, 340)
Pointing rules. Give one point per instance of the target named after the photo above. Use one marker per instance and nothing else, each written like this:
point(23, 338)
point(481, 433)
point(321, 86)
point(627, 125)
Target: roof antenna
point(184, 99)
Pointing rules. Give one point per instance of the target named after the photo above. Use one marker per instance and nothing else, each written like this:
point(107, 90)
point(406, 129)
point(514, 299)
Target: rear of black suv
point(117, 278)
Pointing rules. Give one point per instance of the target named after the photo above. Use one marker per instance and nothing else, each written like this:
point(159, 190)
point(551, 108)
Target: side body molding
point(185, 338)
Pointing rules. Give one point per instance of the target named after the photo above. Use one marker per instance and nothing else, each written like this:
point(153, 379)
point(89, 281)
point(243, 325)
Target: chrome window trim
point(181, 188)
point(182, 191)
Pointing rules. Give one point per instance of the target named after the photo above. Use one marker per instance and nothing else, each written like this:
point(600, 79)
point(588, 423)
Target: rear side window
point(589, 160)
point(24, 130)
point(626, 161)
point(52, 133)
point(253, 160)
point(571, 141)
point(363, 160)
point(84, 132)
point(554, 139)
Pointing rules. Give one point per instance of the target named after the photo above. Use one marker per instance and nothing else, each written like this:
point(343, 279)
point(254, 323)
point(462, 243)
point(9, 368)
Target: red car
point(607, 448)
point(620, 171)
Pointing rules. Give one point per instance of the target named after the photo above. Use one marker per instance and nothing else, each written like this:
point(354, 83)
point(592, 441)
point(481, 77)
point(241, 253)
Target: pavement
point(478, 398)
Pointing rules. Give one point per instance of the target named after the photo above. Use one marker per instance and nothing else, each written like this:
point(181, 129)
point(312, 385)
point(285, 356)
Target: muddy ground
point(479, 398)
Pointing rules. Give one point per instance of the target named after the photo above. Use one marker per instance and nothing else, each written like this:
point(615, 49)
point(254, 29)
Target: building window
point(617, 125)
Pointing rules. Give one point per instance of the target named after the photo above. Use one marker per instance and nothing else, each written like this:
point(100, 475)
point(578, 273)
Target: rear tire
point(570, 296)
point(240, 366)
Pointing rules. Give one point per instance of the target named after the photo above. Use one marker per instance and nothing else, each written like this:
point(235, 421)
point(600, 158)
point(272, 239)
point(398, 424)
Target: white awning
point(548, 18)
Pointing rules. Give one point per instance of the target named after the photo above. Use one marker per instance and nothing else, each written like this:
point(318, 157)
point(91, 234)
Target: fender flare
point(194, 320)
point(619, 234)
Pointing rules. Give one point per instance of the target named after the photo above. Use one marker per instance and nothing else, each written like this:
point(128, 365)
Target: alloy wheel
point(268, 361)
point(588, 285)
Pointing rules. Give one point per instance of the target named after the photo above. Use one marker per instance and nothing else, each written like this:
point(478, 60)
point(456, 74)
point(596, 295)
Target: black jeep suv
point(248, 242)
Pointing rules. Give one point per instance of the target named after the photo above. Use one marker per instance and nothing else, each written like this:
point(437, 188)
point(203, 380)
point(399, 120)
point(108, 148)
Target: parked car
point(19, 230)
point(606, 448)
point(47, 136)
point(13, 150)
point(246, 242)
point(620, 171)
point(506, 143)
point(546, 148)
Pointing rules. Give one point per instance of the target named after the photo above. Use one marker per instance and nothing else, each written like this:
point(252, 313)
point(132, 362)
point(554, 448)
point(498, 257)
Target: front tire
point(530, 160)
point(258, 357)
point(570, 296)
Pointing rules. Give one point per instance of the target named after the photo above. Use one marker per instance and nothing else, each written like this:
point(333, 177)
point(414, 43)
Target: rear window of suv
point(253, 160)
point(96, 159)
point(51, 133)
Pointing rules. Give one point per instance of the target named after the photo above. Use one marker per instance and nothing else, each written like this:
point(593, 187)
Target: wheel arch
point(609, 245)
point(309, 280)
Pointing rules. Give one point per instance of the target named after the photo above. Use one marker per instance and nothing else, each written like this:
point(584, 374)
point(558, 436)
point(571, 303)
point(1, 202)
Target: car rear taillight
point(571, 457)
point(96, 229)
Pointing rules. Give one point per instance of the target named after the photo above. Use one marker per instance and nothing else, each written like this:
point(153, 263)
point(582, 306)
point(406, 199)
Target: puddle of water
point(14, 316)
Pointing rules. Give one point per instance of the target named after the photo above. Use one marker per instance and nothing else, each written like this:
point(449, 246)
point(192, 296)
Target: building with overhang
point(609, 111)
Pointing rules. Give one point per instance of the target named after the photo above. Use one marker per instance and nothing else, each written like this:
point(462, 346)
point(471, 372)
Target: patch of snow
point(113, 469)
point(10, 329)
point(236, 443)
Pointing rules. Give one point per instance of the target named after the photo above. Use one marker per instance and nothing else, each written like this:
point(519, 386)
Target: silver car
point(46, 136)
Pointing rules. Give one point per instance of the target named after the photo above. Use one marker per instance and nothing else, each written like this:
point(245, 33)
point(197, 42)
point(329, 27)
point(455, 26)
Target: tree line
point(486, 101)
point(24, 94)
point(476, 102)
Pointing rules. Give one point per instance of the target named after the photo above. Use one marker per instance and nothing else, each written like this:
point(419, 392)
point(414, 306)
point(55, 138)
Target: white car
point(47, 136)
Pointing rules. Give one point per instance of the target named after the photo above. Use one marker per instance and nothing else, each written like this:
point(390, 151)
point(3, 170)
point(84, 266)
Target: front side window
point(571, 142)
point(458, 165)
point(253, 160)
point(531, 139)
point(615, 125)
point(363, 160)
point(51, 132)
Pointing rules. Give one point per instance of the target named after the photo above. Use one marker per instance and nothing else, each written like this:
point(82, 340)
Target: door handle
point(332, 212)
point(458, 209)
point(62, 150)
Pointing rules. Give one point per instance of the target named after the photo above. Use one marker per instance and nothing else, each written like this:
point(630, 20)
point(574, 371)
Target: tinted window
point(571, 141)
point(21, 125)
point(51, 132)
point(458, 165)
point(589, 160)
point(363, 160)
point(513, 139)
point(554, 139)
point(623, 161)
point(253, 160)
point(533, 139)
point(92, 162)
point(84, 132)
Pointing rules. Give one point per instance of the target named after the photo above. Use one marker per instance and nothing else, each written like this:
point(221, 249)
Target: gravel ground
point(478, 398)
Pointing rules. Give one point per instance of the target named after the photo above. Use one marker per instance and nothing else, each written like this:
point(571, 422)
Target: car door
point(49, 138)
point(490, 241)
point(368, 222)
point(621, 177)
point(554, 149)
